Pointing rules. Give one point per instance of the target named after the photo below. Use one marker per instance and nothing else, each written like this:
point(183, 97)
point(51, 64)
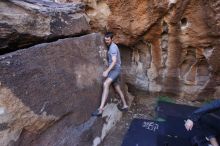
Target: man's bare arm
point(105, 73)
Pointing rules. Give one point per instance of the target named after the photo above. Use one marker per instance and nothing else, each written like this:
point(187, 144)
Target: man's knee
point(107, 83)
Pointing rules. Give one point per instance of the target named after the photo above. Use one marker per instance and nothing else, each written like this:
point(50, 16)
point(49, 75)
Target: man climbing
point(111, 74)
point(209, 129)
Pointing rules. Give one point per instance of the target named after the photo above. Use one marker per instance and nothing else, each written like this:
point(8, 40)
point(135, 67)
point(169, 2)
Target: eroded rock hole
point(183, 22)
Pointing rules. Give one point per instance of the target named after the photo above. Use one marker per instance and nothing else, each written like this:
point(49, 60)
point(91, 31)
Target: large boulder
point(24, 23)
point(54, 84)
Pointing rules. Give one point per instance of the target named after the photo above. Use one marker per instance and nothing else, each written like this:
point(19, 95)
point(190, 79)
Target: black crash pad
point(153, 133)
point(170, 132)
point(142, 133)
point(165, 109)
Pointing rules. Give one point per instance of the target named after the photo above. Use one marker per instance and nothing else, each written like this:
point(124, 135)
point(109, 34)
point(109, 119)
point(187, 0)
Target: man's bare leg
point(118, 90)
point(105, 92)
point(214, 141)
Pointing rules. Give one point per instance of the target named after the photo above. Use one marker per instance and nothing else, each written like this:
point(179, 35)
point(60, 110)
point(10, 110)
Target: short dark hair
point(109, 35)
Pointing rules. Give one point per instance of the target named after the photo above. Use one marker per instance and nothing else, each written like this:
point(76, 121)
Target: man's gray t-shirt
point(114, 51)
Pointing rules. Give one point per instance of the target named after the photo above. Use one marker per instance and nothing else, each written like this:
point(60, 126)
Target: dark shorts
point(114, 74)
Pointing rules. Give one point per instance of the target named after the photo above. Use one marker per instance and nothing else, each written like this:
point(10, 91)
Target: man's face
point(108, 41)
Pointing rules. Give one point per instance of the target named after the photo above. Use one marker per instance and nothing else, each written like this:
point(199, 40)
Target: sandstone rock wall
point(174, 45)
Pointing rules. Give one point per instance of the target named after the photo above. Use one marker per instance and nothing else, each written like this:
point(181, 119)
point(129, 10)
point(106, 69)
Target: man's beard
point(108, 45)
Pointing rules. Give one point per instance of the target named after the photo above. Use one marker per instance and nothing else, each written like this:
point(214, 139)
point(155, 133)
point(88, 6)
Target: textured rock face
point(97, 11)
point(24, 23)
point(174, 44)
point(132, 19)
point(54, 84)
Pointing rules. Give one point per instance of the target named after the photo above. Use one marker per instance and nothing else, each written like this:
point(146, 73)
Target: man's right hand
point(105, 73)
point(189, 125)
